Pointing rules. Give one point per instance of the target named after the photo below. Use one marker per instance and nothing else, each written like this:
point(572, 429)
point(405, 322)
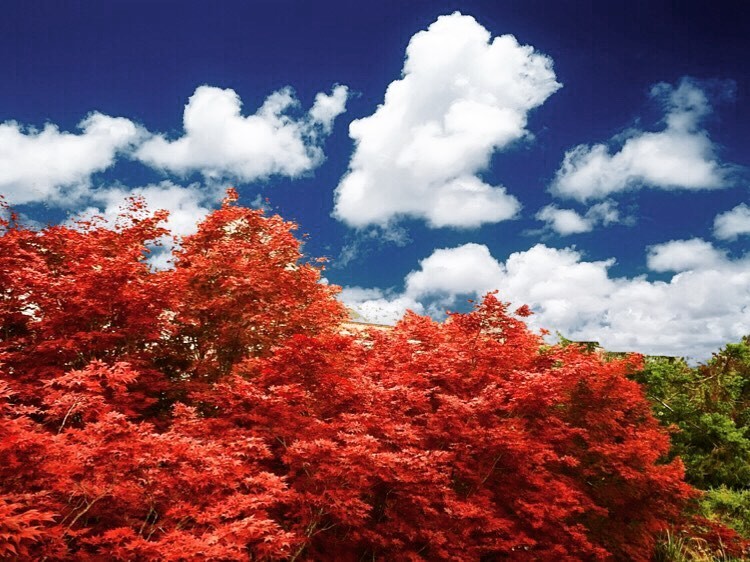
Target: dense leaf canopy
point(218, 411)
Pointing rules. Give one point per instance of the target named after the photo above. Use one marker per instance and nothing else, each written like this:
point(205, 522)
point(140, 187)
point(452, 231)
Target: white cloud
point(693, 314)
point(681, 156)
point(220, 142)
point(568, 221)
point(54, 166)
point(376, 306)
point(684, 255)
point(733, 223)
point(564, 221)
point(187, 206)
point(260, 203)
point(327, 107)
point(463, 95)
point(605, 213)
point(467, 269)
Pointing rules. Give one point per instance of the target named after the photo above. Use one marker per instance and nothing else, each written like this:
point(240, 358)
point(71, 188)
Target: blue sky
point(587, 158)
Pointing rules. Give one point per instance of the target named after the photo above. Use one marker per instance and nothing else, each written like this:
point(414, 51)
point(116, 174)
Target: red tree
point(215, 411)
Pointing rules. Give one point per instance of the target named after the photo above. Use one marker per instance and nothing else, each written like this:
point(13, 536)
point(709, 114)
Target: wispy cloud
point(681, 156)
point(568, 221)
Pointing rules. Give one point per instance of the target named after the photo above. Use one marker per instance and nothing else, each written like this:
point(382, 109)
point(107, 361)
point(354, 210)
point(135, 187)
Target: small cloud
point(360, 243)
point(567, 221)
point(564, 221)
point(468, 269)
point(259, 202)
point(733, 223)
point(605, 213)
point(327, 107)
point(349, 252)
point(681, 156)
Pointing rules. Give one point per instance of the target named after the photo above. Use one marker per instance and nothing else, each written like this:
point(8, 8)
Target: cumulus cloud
point(54, 166)
point(467, 269)
point(681, 156)
point(733, 223)
point(703, 306)
point(463, 95)
point(219, 142)
point(568, 221)
point(564, 221)
point(684, 255)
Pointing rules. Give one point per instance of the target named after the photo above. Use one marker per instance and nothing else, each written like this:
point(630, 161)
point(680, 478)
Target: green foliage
point(731, 507)
point(672, 548)
point(709, 409)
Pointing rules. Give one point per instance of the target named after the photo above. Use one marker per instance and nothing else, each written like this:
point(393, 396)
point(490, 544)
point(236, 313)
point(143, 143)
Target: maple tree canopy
point(216, 411)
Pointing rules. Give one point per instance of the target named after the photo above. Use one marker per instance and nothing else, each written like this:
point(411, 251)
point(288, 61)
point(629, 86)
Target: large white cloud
point(463, 95)
point(54, 166)
point(733, 223)
point(702, 307)
point(681, 156)
point(569, 221)
point(220, 142)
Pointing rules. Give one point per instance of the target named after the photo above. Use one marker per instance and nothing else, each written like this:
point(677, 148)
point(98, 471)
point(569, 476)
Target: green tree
point(708, 410)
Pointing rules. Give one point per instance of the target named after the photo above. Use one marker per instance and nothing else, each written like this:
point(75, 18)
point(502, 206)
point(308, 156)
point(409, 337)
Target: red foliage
point(215, 412)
